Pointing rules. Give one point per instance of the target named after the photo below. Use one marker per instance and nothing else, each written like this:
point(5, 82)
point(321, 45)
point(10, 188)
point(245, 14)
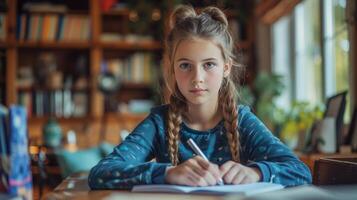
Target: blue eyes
point(185, 66)
point(209, 65)
point(188, 66)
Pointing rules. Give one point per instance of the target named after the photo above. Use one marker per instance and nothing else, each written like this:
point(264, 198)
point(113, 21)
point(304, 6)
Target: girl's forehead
point(197, 48)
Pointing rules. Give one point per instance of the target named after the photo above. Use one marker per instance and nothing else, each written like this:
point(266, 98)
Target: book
point(243, 189)
point(19, 175)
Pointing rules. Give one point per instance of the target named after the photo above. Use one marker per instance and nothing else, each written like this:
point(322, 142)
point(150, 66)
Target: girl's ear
point(227, 68)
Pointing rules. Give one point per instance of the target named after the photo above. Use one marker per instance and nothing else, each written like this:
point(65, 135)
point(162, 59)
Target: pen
point(198, 151)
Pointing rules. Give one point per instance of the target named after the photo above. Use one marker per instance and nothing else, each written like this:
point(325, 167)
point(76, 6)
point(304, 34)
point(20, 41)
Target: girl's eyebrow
point(204, 60)
point(209, 59)
point(182, 59)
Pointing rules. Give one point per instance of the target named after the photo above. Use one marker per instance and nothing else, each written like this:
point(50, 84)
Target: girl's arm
point(129, 164)
point(263, 150)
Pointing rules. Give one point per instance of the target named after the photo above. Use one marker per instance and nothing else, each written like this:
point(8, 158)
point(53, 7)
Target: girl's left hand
point(236, 173)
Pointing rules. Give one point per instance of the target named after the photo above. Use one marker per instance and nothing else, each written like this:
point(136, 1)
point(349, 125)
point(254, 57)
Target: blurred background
point(88, 71)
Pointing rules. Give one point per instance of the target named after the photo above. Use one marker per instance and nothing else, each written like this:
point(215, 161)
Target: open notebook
point(244, 189)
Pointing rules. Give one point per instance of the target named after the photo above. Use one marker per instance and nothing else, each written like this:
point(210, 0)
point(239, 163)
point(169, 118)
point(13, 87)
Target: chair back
point(335, 171)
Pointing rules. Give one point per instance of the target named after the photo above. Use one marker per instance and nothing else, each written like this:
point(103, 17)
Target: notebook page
point(246, 189)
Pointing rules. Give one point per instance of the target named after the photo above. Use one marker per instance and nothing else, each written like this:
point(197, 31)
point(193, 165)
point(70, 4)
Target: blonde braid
point(173, 127)
point(230, 115)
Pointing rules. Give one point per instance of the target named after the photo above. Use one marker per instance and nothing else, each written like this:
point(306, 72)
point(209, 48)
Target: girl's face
point(199, 70)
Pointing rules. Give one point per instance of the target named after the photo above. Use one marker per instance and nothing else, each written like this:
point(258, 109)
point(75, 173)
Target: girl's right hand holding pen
point(194, 172)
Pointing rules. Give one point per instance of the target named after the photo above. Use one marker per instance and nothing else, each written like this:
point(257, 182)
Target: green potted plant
point(261, 96)
point(298, 122)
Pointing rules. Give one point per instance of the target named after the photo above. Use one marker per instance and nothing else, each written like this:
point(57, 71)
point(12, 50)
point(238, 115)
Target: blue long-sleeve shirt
point(131, 163)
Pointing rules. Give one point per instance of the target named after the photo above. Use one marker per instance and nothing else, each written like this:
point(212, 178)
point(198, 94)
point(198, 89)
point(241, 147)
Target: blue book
point(20, 177)
point(4, 149)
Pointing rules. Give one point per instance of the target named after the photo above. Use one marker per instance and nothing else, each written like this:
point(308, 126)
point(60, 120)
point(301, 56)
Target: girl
point(202, 105)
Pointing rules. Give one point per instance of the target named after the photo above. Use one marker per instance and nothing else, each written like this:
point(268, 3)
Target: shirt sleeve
point(129, 163)
point(263, 150)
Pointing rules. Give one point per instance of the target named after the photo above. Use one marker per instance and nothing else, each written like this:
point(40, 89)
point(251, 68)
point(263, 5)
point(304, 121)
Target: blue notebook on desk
point(243, 189)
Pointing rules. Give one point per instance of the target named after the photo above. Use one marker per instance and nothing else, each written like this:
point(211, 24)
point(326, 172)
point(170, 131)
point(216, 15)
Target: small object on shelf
point(52, 133)
point(140, 106)
point(106, 5)
point(46, 64)
point(71, 141)
point(108, 83)
point(55, 80)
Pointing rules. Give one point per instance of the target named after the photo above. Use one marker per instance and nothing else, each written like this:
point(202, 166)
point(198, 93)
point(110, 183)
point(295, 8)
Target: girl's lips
point(198, 90)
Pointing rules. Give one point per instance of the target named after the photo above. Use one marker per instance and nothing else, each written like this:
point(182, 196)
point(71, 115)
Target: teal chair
point(81, 160)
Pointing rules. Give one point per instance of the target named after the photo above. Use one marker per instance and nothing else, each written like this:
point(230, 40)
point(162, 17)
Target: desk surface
point(75, 187)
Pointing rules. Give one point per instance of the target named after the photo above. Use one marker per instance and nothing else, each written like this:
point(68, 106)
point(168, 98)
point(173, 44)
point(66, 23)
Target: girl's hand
point(193, 172)
point(235, 173)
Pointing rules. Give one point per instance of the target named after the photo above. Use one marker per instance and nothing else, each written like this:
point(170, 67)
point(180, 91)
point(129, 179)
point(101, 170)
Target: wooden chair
point(335, 171)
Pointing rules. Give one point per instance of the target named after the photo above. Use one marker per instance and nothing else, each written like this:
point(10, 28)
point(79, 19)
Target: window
point(336, 48)
point(314, 62)
point(281, 58)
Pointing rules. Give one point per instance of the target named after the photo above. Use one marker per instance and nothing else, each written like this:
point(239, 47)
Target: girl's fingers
point(192, 178)
point(193, 164)
point(214, 169)
point(225, 167)
point(202, 162)
point(246, 180)
point(208, 171)
point(238, 178)
point(229, 176)
point(210, 178)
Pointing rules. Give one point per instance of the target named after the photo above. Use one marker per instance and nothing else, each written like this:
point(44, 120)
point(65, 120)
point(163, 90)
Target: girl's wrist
point(167, 171)
point(258, 172)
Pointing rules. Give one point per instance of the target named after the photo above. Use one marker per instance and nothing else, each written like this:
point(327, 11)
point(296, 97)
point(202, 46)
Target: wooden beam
point(264, 6)
point(11, 65)
point(96, 107)
point(11, 55)
point(270, 11)
point(354, 61)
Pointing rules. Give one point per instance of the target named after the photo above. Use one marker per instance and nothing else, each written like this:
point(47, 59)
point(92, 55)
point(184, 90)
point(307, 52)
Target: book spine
point(4, 150)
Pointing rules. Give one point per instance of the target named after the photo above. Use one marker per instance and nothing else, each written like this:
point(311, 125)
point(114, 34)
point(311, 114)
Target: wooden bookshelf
point(21, 51)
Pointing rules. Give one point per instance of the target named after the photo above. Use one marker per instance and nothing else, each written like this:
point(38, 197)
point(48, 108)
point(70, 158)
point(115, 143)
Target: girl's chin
point(197, 101)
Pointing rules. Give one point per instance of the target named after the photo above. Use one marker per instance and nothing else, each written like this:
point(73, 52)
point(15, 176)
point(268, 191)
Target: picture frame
point(351, 138)
point(335, 107)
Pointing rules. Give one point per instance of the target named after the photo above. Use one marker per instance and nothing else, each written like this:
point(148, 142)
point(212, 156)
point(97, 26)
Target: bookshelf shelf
point(111, 116)
point(30, 89)
point(121, 12)
point(124, 45)
point(125, 116)
point(55, 44)
point(60, 119)
point(59, 12)
point(133, 86)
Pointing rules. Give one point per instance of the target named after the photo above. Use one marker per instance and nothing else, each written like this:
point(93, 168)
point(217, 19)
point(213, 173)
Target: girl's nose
point(196, 82)
point(197, 76)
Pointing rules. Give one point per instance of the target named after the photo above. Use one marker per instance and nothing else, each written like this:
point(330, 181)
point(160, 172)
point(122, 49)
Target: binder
point(15, 170)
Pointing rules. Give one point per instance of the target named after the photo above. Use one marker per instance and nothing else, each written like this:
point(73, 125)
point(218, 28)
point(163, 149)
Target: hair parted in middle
point(210, 24)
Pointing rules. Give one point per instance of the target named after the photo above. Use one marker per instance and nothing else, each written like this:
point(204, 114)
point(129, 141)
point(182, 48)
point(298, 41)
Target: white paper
point(245, 189)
